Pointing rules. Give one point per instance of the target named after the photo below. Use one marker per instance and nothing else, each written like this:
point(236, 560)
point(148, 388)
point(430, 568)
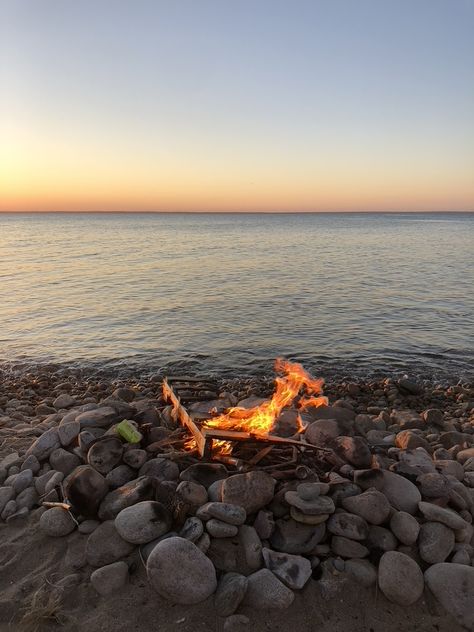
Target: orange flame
point(260, 420)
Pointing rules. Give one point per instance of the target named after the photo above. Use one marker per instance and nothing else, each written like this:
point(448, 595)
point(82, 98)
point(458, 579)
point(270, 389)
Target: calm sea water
point(346, 294)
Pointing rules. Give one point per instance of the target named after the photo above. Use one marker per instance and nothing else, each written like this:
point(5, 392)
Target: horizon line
point(241, 212)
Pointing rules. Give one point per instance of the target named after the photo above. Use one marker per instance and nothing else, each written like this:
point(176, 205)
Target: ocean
point(346, 294)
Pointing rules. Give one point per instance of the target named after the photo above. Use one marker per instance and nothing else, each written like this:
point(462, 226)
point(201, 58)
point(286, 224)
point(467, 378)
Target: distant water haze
point(346, 294)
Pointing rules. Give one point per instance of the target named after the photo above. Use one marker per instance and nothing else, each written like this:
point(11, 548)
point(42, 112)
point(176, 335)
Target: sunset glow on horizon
point(248, 106)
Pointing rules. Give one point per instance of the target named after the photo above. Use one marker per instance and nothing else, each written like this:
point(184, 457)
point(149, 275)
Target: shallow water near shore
point(346, 294)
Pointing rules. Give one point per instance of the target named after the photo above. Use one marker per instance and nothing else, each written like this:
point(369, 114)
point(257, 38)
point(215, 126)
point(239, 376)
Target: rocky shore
point(393, 514)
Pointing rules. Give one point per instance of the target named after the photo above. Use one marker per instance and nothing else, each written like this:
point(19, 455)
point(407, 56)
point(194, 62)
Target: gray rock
point(192, 529)
point(179, 571)
point(405, 527)
point(231, 514)
point(323, 431)
point(98, 418)
point(366, 479)
point(9, 510)
point(407, 386)
point(194, 494)
point(354, 450)
point(120, 475)
point(400, 578)
point(143, 522)
point(45, 444)
point(11, 460)
point(57, 522)
point(27, 498)
point(108, 580)
point(372, 505)
point(348, 548)
point(348, 525)
point(453, 587)
point(230, 592)
point(308, 491)
point(433, 485)
point(252, 546)
point(85, 440)
point(252, 490)
point(64, 400)
point(129, 494)
point(63, 461)
point(264, 524)
point(363, 572)
point(435, 542)
point(68, 432)
point(41, 481)
point(293, 570)
point(88, 526)
point(441, 514)
point(400, 492)
point(162, 469)
point(266, 591)
point(434, 416)
point(219, 529)
point(381, 539)
point(21, 481)
point(214, 491)
point(105, 454)
point(134, 458)
point(296, 538)
point(31, 463)
point(52, 483)
point(204, 473)
point(85, 489)
point(320, 505)
point(105, 546)
point(332, 412)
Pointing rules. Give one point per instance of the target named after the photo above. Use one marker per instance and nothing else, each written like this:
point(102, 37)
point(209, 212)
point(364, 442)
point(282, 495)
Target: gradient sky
point(237, 105)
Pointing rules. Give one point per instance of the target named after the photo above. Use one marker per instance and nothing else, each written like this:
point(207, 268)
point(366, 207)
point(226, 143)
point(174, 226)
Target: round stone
point(435, 542)
point(400, 578)
point(143, 522)
point(308, 491)
point(57, 522)
point(179, 571)
point(315, 507)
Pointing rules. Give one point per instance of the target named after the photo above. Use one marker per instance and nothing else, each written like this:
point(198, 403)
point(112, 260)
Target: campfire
point(229, 437)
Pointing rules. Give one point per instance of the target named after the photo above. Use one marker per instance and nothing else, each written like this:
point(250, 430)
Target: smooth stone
point(433, 485)
point(204, 473)
point(348, 525)
point(28, 498)
point(266, 591)
point(299, 516)
point(161, 469)
point(9, 510)
point(105, 454)
point(31, 463)
point(405, 527)
point(98, 418)
point(232, 514)
point(120, 475)
point(371, 505)
point(252, 546)
point(433, 416)
point(179, 571)
point(45, 444)
point(293, 570)
point(296, 538)
point(105, 545)
point(88, 526)
point(441, 514)
point(143, 522)
point(354, 450)
point(85, 440)
point(308, 491)
point(400, 492)
point(409, 440)
point(400, 578)
point(219, 529)
point(230, 592)
point(264, 524)
point(146, 549)
point(41, 481)
point(192, 529)
point(381, 539)
point(64, 400)
point(63, 461)
point(453, 587)
point(435, 542)
point(316, 507)
point(366, 479)
point(57, 522)
point(418, 460)
point(21, 481)
point(54, 482)
point(363, 572)
point(140, 489)
point(332, 412)
point(252, 490)
point(85, 489)
point(6, 494)
point(192, 493)
point(135, 458)
point(68, 432)
point(348, 548)
point(108, 580)
point(324, 431)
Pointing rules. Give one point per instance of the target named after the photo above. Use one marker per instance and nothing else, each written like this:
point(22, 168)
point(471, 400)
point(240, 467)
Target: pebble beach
point(91, 524)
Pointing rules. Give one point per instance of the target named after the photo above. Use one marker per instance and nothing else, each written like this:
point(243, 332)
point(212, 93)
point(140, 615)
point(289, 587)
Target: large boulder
point(85, 489)
point(453, 587)
point(180, 572)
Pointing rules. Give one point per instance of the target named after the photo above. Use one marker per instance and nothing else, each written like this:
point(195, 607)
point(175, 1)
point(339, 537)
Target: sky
point(236, 105)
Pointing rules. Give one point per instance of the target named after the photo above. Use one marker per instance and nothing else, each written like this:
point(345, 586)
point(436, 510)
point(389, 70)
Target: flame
point(259, 420)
